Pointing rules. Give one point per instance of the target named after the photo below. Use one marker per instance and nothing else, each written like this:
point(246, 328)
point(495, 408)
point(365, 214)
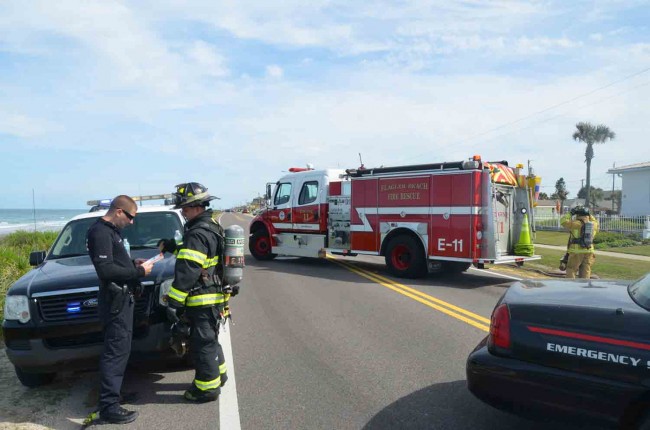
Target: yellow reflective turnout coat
point(575, 227)
point(197, 260)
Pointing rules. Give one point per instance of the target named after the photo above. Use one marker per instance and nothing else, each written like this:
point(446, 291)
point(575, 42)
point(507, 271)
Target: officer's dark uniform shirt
point(106, 250)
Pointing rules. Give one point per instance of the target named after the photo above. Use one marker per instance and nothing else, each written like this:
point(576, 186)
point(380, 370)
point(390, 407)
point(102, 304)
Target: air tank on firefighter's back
point(233, 255)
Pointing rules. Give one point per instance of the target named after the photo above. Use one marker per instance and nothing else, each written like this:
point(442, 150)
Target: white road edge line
point(228, 404)
point(495, 274)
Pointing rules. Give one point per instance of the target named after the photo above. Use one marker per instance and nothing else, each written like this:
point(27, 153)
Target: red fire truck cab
point(430, 217)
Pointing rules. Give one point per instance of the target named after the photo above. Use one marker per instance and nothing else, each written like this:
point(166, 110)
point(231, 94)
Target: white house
point(635, 188)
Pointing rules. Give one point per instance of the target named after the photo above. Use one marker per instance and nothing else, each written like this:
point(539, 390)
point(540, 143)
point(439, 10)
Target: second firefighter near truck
point(199, 295)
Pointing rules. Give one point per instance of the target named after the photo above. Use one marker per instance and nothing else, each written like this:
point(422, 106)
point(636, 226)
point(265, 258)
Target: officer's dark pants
point(206, 352)
point(118, 331)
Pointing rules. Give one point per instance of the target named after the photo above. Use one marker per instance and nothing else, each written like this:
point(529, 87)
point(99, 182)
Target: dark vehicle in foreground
point(50, 317)
point(573, 348)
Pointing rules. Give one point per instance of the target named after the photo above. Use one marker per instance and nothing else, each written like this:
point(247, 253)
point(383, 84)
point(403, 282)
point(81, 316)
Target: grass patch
point(605, 241)
point(635, 250)
point(14, 257)
point(557, 238)
point(604, 267)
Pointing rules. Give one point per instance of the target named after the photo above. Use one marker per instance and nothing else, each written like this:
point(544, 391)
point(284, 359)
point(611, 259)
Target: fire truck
point(422, 218)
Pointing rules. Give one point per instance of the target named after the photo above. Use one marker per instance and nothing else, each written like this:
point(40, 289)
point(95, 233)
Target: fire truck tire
point(456, 266)
point(260, 246)
point(405, 257)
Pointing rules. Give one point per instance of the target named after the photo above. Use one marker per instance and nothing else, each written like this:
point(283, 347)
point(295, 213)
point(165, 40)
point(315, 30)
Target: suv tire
point(33, 380)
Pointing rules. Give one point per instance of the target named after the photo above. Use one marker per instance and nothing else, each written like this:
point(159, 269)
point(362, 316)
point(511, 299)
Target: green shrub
point(608, 236)
point(14, 257)
point(621, 243)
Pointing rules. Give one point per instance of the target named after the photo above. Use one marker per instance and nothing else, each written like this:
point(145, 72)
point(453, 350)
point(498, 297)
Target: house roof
point(630, 167)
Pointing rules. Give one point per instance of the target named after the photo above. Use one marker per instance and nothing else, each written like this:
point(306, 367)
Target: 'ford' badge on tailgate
point(90, 303)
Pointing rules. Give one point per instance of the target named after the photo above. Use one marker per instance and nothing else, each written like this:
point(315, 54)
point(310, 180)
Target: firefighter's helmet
point(580, 211)
point(191, 194)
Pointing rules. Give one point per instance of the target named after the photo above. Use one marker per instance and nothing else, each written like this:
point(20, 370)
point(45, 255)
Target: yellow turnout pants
point(581, 264)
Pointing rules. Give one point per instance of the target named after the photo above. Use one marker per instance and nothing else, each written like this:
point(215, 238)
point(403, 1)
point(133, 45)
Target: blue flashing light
point(73, 307)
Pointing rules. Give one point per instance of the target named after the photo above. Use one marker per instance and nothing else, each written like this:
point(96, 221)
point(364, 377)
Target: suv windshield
point(640, 291)
point(145, 232)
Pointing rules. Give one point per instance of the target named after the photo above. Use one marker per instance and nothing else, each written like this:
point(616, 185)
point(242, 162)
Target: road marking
point(492, 273)
point(435, 303)
point(228, 405)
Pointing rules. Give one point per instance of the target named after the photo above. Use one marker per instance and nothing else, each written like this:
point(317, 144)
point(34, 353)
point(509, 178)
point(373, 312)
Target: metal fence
point(614, 223)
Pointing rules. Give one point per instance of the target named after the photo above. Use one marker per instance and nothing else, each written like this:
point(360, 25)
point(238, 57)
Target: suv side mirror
point(36, 258)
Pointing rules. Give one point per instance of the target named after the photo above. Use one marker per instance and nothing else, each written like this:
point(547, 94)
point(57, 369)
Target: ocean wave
point(5, 225)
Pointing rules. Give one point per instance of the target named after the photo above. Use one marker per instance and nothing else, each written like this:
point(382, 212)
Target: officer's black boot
point(118, 415)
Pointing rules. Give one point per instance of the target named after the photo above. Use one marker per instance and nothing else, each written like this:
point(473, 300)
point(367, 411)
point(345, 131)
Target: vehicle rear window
point(640, 291)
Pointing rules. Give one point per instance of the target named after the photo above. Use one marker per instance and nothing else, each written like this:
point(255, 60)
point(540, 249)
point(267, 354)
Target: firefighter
point(582, 228)
point(198, 289)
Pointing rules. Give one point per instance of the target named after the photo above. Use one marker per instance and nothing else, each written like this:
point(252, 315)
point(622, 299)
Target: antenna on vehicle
point(34, 208)
point(361, 161)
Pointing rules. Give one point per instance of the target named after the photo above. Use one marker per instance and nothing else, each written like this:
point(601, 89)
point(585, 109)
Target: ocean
point(46, 219)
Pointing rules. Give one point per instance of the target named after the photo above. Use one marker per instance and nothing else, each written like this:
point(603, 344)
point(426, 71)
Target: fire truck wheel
point(405, 257)
point(456, 266)
point(260, 246)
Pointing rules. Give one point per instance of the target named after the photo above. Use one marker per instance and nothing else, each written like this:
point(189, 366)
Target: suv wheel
point(33, 380)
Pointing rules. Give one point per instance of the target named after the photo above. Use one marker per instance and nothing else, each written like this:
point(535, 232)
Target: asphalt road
point(318, 344)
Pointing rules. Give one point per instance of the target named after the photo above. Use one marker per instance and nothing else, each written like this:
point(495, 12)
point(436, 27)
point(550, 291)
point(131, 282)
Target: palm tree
point(591, 134)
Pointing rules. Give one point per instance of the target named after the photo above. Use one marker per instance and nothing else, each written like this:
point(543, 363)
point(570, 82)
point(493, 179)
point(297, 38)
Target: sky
point(100, 98)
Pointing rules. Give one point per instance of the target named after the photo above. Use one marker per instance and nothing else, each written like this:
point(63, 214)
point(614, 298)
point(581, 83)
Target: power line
point(556, 106)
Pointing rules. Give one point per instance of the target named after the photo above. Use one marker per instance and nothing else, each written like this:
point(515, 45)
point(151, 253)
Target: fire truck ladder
point(453, 165)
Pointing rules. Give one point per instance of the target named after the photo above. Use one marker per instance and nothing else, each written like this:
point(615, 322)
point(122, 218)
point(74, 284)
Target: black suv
point(50, 318)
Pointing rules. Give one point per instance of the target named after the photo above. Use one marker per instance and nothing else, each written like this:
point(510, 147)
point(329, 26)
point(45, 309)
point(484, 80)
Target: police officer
point(118, 278)
point(582, 228)
point(198, 290)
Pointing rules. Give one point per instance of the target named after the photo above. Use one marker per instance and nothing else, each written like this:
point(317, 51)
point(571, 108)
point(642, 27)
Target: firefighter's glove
point(167, 245)
point(172, 317)
point(235, 290)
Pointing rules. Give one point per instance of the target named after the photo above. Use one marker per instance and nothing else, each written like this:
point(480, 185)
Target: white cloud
point(274, 71)
point(24, 126)
point(399, 82)
point(208, 59)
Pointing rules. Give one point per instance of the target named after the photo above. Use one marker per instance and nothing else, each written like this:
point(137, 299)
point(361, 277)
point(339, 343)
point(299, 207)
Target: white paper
point(156, 258)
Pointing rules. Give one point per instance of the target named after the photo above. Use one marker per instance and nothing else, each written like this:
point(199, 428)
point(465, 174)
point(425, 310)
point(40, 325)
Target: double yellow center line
point(461, 314)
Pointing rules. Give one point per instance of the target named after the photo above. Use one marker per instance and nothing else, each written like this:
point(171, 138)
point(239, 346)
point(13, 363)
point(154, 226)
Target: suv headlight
point(17, 308)
point(163, 295)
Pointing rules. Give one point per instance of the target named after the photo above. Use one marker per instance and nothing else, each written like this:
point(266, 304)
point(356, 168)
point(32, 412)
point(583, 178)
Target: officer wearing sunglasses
point(118, 277)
